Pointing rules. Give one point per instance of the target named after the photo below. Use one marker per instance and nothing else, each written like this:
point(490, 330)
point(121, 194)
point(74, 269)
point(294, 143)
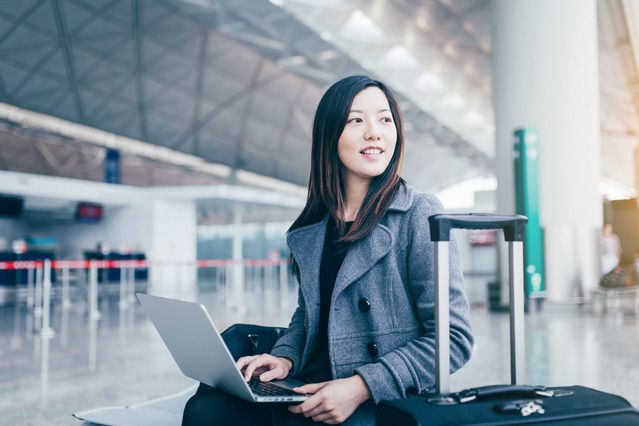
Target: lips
point(372, 150)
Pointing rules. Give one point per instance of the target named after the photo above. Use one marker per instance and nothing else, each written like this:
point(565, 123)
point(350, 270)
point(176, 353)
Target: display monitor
point(88, 212)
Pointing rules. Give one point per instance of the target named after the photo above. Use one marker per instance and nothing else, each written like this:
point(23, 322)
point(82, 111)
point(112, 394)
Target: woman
point(364, 327)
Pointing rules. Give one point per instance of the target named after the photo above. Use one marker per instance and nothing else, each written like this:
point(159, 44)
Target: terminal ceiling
point(237, 82)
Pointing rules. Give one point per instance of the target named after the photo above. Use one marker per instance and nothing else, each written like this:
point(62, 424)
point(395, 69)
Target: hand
point(334, 401)
point(268, 366)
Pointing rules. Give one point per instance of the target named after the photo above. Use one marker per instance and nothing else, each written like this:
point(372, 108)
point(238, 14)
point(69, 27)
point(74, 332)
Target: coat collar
point(362, 256)
point(307, 243)
point(403, 198)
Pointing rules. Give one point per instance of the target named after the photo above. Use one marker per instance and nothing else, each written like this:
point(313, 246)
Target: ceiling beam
point(225, 103)
point(33, 70)
point(4, 92)
point(238, 162)
point(276, 34)
point(275, 165)
point(65, 44)
point(199, 86)
point(16, 24)
point(136, 34)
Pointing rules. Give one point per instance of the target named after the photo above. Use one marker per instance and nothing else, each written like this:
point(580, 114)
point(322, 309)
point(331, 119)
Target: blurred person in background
point(610, 249)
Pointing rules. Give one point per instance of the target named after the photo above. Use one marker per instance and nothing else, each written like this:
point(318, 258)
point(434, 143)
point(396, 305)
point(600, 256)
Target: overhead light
point(421, 22)
point(326, 35)
point(453, 101)
point(468, 26)
point(473, 117)
point(469, 69)
point(328, 54)
point(291, 61)
point(449, 50)
point(398, 57)
point(429, 81)
point(360, 27)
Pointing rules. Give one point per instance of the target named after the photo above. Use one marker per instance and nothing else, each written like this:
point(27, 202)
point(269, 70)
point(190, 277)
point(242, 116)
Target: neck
point(356, 189)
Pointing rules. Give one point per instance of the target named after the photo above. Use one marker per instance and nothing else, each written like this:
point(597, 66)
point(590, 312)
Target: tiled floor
point(565, 345)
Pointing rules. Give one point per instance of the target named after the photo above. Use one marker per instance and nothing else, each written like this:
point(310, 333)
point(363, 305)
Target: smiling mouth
point(371, 151)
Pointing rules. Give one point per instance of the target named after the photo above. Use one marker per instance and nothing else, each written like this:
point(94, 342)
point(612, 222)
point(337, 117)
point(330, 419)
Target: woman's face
point(368, 140)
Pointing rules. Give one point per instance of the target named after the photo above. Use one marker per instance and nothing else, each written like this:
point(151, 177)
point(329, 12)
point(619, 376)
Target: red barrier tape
point(116, 264)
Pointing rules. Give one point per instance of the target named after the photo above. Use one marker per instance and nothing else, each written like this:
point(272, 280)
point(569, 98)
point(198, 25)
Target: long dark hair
point(326, 188)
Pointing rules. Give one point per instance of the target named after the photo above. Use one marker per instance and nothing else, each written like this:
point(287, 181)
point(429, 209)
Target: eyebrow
point(361, 112)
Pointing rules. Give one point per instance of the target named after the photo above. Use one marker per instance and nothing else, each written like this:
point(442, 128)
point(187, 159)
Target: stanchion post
point(123, 293)
point(46, 333)
point(131, 286)
point(123, 303)
point(30, 297)
point(218, 277)
point(94, 313)
point(66, 299)
point(131, 295)
point(46, 300)
point(37, 302)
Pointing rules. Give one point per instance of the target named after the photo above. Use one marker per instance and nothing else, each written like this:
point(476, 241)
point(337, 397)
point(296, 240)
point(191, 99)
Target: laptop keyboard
point(269, 389)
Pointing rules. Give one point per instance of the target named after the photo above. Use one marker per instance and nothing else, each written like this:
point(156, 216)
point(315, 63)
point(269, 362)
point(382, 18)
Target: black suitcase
point(512, 404)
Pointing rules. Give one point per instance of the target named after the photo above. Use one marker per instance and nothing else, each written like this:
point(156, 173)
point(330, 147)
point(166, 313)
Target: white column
point(545, 76)
point(174, 238)
point(237, 291)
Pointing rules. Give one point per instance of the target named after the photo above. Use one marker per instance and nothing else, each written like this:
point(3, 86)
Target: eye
point(387, 119)
point(355, 120)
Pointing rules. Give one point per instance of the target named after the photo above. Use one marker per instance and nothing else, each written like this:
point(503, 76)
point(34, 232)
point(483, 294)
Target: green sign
point(526, 158)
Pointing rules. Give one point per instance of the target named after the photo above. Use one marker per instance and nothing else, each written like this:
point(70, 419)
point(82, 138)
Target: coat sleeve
point(411, 367)
point(291, 343)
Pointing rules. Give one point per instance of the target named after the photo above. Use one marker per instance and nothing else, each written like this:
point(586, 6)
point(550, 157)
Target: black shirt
point(318, 368)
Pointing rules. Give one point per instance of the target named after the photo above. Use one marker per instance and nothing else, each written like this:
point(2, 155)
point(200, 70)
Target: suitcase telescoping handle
point(513, 227)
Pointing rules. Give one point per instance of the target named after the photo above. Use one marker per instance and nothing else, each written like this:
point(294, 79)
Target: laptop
point(201, 354)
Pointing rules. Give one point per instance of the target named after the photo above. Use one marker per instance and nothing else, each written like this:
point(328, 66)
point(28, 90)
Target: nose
point(372, 132)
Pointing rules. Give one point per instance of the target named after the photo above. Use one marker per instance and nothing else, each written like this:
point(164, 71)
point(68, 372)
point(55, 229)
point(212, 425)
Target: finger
point(260, 365)
point(242, 362)
point(319, 410)
point(324, 417)
point(251, 368)
point(307, 405)
point(272, 374)
point(310, 387)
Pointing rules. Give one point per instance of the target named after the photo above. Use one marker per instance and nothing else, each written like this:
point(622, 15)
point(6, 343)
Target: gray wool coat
point(392, 344)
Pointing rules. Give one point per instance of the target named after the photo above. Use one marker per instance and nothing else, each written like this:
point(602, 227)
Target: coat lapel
point(362, 256)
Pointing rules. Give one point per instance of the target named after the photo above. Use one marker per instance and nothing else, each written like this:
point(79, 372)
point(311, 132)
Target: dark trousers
point(210, 406)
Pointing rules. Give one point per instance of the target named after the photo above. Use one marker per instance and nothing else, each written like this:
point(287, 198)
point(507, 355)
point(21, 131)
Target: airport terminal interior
point(164, 147)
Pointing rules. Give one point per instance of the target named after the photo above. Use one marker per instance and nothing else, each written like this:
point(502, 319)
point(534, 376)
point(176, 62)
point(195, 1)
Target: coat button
point(364, 304)
point(372, 349)
point(411, 391)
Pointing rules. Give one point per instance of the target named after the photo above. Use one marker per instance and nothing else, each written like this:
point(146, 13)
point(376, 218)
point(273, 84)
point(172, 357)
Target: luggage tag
point(525, 407)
